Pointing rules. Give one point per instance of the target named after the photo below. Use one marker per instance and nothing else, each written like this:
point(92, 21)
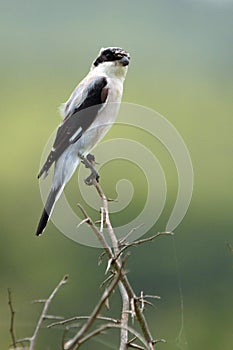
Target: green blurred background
point(181, 66)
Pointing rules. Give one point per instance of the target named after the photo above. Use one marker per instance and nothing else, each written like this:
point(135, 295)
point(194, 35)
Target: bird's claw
point(89, 162)
point(90, 179)
point(91, 159)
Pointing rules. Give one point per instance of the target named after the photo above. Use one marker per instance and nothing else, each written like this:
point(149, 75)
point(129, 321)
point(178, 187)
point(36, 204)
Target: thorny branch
point(44, 315)
point(124, 245)
point(12, 332)
point(77, 318)
point(130, 293)
point(107, 326)
point(149, 239)
point(115, 259)
point(124, 295)
point(131, 304)
point(78, 338)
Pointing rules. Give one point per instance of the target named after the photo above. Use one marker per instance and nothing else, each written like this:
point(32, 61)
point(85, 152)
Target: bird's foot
point(90, 179)
point(89, 162)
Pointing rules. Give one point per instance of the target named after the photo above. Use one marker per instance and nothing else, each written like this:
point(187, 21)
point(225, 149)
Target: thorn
point(108, 266)
point(82, 222)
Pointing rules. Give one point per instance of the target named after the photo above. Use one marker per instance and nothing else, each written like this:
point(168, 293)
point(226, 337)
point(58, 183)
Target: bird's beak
point(124, 61)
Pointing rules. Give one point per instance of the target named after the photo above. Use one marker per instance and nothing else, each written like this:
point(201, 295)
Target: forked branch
point(44, 315)
point(115, 257)
point(78, 338)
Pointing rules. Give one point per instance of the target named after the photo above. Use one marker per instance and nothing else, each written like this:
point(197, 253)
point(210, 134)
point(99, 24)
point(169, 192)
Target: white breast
point(105, 117)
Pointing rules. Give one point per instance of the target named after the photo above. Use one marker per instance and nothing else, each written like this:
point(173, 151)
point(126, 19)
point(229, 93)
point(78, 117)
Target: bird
point(87, 116)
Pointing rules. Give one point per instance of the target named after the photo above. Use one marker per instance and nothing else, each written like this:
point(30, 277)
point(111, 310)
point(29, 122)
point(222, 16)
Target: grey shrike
point(87, 116)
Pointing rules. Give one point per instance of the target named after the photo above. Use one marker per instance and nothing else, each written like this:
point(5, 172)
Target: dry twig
point(116, 264)
point(76, 318)
point(78, 338)
point(145, 240)
point(44, 315)
point(103, 328)
point(131, 304)
point(12, 312)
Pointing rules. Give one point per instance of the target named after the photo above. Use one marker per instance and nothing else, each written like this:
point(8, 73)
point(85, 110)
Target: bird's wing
point(79, 120)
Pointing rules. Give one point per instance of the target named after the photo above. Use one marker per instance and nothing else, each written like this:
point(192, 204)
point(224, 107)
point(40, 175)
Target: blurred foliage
point(182, 67)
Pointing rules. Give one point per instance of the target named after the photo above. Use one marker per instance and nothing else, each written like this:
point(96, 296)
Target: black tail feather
point(43, 222)
point(47, 212)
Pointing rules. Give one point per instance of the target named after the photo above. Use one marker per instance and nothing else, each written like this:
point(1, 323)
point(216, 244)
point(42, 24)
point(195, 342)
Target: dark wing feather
point(79, 121)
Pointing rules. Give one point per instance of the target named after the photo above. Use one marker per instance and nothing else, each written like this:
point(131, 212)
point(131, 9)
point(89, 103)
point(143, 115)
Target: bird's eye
point(108, 55)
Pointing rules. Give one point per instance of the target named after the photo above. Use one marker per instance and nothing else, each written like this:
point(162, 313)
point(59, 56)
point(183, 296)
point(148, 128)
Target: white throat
point(112, 69)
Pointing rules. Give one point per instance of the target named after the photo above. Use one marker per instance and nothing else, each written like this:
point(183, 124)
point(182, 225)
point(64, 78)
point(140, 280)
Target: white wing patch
point(73, 137)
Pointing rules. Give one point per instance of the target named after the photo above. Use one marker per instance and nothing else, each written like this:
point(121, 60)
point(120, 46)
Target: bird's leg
point(89, 162)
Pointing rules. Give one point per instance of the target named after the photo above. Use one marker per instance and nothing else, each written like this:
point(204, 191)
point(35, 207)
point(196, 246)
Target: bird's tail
point(52, 198)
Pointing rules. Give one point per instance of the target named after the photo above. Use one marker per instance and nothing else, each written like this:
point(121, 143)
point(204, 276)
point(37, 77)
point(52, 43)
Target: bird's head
point(112, 60)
